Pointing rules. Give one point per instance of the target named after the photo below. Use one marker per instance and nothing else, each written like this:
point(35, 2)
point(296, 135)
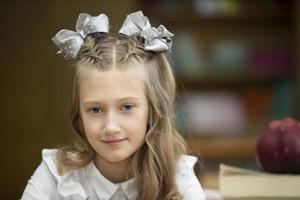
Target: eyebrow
point(121, 99)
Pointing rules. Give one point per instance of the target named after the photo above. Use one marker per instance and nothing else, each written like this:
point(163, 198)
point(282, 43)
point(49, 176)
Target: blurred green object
point(229, 56)
point(210, 8)
point(283, 100)
point(187, 56)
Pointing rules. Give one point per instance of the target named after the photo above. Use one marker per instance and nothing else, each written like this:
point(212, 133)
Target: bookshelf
point(235, 81)
point(226, 147)
point(262, 70)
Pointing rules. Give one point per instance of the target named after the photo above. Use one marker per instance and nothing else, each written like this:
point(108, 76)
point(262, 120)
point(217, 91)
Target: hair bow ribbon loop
point(134, 24)
point(87, 24)
point(156, 39)
point(69, 42)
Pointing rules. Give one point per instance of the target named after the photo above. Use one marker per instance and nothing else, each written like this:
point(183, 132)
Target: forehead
point(111, 85)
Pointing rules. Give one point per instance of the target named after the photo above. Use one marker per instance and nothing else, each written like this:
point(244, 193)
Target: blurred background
point(236, 63)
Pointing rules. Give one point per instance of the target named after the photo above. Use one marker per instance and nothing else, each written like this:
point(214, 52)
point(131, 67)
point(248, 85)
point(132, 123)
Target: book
point(245, 184)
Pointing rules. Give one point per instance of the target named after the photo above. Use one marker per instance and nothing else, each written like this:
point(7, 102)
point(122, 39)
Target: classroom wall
point(35, 82)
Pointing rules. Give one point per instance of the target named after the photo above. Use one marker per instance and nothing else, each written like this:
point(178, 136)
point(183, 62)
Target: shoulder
point(187, 182)
point(49, 160)
point(41, 185)
point(186, 163)
point(47, 182)
point(46, 171)
point(48, 166)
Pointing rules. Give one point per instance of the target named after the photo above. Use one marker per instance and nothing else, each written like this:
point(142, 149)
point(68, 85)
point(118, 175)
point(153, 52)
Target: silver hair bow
point(69, 42)
point(156, 39)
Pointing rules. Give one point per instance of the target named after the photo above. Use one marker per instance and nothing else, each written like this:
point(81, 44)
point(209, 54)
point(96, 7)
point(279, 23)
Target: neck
point(115, 172)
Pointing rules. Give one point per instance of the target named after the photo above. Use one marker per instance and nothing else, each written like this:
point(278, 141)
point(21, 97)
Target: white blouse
point(88, 183)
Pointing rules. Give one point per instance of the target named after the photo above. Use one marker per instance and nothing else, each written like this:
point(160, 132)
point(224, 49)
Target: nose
point(111, 125)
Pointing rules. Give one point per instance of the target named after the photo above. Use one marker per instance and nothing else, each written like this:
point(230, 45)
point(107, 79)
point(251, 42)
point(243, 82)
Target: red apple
point(278, 149)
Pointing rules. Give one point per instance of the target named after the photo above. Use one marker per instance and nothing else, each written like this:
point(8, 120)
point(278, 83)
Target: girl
point(125, 144)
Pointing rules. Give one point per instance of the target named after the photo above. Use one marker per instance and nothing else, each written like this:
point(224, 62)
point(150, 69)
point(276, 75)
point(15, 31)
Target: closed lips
point(114, 140)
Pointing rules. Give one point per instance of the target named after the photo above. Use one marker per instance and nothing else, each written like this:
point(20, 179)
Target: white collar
point(105, 188)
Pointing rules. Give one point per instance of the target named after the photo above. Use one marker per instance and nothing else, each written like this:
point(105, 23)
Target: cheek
point(91, 126)
point(138, 122)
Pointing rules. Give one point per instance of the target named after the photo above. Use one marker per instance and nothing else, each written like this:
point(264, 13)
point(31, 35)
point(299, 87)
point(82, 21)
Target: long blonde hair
point(154, 164)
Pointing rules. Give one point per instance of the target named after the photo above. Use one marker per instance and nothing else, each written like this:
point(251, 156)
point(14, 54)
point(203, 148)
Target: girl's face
point(114, 111)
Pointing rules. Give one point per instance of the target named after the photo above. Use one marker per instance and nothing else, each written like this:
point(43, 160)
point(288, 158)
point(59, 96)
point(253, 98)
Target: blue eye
point(95, 110)
point(127, 107)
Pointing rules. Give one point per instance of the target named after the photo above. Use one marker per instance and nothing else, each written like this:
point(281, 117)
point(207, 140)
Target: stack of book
point(244, 184)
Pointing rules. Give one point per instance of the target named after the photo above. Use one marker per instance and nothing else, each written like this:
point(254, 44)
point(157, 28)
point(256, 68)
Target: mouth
point(114, 141)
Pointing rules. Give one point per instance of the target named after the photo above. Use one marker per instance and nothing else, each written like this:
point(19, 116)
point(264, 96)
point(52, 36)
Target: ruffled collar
point(105, 188)
point(82, 182)
point(75, 182)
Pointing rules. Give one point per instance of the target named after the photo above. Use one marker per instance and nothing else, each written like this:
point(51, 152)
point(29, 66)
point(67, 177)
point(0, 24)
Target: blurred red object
point(278, 149)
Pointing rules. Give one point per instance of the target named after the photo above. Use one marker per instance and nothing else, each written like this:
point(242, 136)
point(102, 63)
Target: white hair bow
point(69, 42)
point(136, 24)
point(156, 39)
